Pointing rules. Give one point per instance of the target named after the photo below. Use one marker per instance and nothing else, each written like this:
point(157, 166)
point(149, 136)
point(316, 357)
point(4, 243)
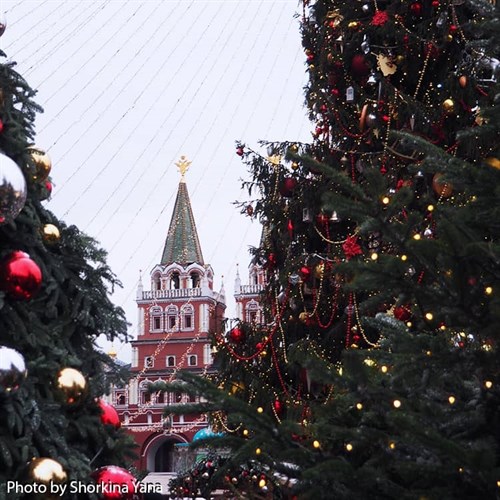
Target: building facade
point(177, 309)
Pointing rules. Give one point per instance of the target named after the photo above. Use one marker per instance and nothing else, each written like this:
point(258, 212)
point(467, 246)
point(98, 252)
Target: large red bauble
point(402, 313)
point(359, 66)
point(116, 483)
point(20, 276)
point(109, 415)
point(416, 8)
point(237, 335)
point(288, 186)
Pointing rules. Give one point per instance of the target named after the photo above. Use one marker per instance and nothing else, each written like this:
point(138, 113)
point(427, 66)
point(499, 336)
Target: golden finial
point(112, 352)
point(183, 166)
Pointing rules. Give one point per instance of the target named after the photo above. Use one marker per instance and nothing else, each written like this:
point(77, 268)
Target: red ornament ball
point(20, 276)
point(416, 8)
point(237, 335)
point(116, 483)
point(305, 272)
point(278, 407)
point(288, 186)
point(239, 151)
point(402, 313)
point(359, 66)
point(109, 415)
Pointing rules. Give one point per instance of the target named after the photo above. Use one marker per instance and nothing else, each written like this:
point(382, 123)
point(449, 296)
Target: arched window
point(172, 319)
point(187, 313)
point(253, 312)
point(175, 281)
point(120, 399)
point(170, 361)
point(193, 360)
point(156, 319)
point(144, 394)
point(195, 280)
point(157, 281)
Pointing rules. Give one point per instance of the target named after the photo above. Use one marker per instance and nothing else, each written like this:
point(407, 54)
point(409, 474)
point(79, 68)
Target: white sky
point(130, 86)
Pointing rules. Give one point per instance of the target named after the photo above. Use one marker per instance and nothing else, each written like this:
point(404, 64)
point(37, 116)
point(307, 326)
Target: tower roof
point(182, 244)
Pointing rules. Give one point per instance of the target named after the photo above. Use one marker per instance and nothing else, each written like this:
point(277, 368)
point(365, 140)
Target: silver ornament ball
point(12, 189)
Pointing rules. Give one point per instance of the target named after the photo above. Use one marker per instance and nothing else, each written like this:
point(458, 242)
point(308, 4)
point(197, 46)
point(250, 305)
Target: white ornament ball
point(12, 189)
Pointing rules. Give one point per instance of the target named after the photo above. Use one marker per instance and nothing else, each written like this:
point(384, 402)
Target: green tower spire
point(182, 244)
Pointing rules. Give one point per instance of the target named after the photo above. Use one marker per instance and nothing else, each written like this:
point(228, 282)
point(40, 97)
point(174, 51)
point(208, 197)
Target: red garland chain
point(335, 306)
point(347, 132)
point(278, 371)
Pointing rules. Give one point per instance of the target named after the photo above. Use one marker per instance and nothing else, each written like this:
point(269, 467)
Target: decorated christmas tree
point(56, 430)
point(375, 371)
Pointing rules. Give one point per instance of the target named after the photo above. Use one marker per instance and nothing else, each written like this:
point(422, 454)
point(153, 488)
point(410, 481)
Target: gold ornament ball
point(354, 25)
point(72, 385)
point(237, 387)
point(303, 316)
point(319, 270)
point(493, 162)
point(448, 106)
point(41, 161)
point(443, 189)
point(295, 165)
point(46, 471)
point(51, 233)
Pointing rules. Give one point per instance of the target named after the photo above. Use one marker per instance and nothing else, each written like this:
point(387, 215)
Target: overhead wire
point(61, 44)
point(148, 144)
point(248, 84)
point(30, 13)
point(103, 26)
point(105, 89)
point(162, 176)
point(28, 39)
point(102, 170)
point(272, 115)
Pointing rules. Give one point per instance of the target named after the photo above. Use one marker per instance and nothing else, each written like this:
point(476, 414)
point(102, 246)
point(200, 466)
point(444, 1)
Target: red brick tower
point(175, 318)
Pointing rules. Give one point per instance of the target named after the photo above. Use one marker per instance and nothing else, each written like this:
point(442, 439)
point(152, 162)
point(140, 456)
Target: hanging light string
point(105, 138)
point(28, 15)
point(50, 26)
point(70, 36)
point(201, 180)
point(79, 71)
point(146, 148)
point(151, 51)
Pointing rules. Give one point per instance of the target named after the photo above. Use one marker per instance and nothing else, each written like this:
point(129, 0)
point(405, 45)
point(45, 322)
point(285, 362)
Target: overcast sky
point(130, 86)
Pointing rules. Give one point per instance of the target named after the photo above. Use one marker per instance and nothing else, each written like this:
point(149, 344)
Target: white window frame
point(187, 310)
point(169, 314)
point(155, 312)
